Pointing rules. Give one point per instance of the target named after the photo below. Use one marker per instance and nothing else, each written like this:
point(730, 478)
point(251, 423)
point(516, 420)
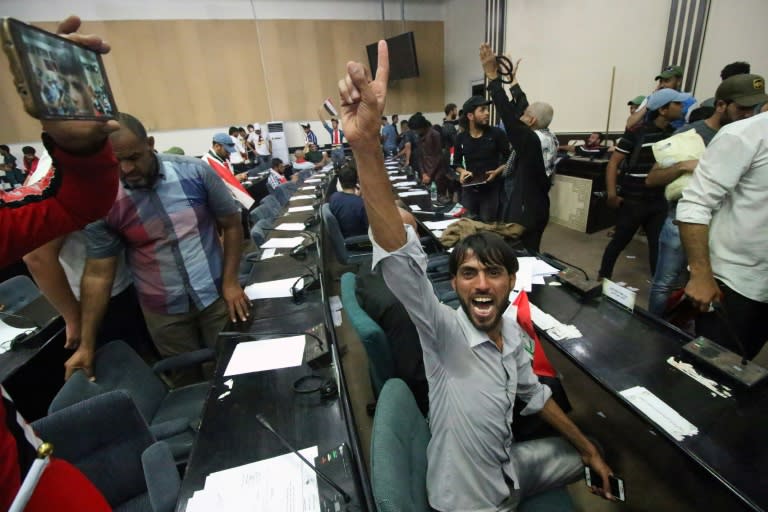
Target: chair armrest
point(183, 360)
point(170, 428)
point(357, 240)
point(162, 477)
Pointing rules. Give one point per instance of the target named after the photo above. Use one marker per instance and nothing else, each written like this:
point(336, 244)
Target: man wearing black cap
point(309, 135)
point(722, 219)
point(480, 155)
point(638, 204)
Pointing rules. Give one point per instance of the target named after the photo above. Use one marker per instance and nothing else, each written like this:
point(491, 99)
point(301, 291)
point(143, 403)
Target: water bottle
point(433, 192)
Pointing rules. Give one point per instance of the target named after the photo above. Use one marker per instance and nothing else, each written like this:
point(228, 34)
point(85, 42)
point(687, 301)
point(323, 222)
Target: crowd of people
point(154, 253)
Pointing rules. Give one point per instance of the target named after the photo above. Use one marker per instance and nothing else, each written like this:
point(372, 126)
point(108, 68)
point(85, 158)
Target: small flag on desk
point(328, 106)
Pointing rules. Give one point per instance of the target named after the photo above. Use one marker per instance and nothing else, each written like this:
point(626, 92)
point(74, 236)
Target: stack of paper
point(282, 243)
point(552, 326)
point(295, 209)
point(413, 193)
point(439, 224)
point(532, 271)
point(291, 226)
point(263, 355)
point(660, 413)
point(301, 196)
point(273, 289)
point(279, 483)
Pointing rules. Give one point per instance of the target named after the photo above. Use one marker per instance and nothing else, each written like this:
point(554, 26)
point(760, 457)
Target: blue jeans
point(670, 267)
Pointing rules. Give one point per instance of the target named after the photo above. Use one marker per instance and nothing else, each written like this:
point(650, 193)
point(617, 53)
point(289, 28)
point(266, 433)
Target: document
point(301, 196)
point(291, 226)
point(282, 243)
point(413, 193)
point(307, 188)
point(272, 289)
point(660, 413)
point(282, 483)
point(312, 180)
point(268, 253)
point(439, 224)
point(396, 178)
point(307, 208)
point(263, 355)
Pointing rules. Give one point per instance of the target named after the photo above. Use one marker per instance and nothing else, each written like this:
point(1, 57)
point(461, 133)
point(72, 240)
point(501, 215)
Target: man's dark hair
point(334, 120)
point(449, 108)
point(735, 68)
point(3, 147)
point(417, 122)
point(250, 126)
point(28, 150)
point(68, 64)
point(600, 136)
point(348, 176)
point(403, 123)
point(233, 130)
point(700, 113)
point(276, 162)
point(489, 248)
point(383, 118)
point(132, 124)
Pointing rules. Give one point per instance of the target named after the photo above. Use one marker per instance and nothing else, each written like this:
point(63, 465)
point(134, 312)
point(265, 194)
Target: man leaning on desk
point(473, 356)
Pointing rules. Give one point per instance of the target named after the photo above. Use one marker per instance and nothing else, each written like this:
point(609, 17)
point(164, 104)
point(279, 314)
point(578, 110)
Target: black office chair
point(342, 247)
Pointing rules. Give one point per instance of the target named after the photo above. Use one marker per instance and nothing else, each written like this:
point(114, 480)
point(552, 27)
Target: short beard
point(480, 328)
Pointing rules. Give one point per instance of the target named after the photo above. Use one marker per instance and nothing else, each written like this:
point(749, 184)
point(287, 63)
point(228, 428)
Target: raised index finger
point(382, 71)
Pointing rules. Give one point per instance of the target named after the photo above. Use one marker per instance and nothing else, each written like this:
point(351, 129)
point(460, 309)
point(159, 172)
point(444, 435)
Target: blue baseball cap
point(663, 96)
point(225, 140)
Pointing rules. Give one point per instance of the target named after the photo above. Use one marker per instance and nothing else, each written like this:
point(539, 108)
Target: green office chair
point(399, 482)
point(380, 361)
point(399, 451)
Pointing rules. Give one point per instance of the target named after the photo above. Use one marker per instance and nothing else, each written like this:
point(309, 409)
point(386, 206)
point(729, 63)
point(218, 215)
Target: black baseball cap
point(472, 103)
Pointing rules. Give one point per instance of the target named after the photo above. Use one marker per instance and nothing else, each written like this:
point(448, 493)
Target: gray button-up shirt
point(472, 388)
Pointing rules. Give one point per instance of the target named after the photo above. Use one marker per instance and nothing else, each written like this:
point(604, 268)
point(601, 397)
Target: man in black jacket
point(525, 195)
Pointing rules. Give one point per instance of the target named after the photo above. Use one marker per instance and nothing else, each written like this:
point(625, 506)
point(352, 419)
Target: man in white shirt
point(237, 159)
point(723, 217)
point(262, 145)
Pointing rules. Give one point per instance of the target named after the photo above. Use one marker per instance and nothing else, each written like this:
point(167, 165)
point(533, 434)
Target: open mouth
point(482, 306)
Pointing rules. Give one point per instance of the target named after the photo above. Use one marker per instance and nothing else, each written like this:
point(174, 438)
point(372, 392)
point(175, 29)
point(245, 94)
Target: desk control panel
point(337, 465)
point(725, 361)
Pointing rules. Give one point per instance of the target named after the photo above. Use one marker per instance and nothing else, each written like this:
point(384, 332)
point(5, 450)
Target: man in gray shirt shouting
point(474, 357)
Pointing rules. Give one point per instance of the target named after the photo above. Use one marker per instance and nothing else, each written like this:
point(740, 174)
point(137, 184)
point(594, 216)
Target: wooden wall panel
point(181, 74)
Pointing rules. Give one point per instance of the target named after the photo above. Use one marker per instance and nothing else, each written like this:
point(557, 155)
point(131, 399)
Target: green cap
point(744, 90)
point(669, 72)
point(174, 150)
point(636, 101)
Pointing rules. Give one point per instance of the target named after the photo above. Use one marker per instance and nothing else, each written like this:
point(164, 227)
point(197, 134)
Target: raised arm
point(362, 105)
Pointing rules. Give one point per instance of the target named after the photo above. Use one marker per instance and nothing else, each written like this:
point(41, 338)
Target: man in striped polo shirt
point(167, 215)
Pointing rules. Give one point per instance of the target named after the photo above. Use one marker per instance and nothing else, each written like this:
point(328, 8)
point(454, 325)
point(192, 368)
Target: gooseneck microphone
point(266, 425)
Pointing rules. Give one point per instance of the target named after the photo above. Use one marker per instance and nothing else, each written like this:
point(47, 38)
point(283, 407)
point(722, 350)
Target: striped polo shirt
point(170, 235)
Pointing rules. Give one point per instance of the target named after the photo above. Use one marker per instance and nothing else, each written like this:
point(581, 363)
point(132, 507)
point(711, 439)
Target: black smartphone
point(56, 77)
point(616, 483)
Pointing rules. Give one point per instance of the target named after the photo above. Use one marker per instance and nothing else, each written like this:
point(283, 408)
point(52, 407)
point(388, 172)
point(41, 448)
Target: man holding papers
point(474, 356)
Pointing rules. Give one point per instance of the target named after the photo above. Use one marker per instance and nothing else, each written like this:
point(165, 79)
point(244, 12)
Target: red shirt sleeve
point(76, 191)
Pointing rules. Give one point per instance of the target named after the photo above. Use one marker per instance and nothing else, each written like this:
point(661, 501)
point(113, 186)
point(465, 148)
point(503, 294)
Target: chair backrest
point(380, 360)
point(116, 366)
point(282, 194)
point(273, 204)
point(104, 438)
point(17, 292)
point(399, 451)
point(261, 212)
point(333, 231)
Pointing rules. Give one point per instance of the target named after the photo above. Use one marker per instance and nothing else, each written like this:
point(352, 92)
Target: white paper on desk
point(660, 413)
point(262, 355)
point(524, 279)
point(291, 226)
point(542, 268)
point(312, 180)
point(439, 224)
point(307, 188)
point(272, 289)
point(396, 178)
point(8, 334)
point(281, 483)
point(268, 253)
point(301, 196)
point(413, 193)
point(405, 184)
point(415, 208)
point(282, 243)
point(295, 209)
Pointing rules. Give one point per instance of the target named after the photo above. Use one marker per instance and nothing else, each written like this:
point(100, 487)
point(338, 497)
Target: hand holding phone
point(595, 483)
point(62, 81)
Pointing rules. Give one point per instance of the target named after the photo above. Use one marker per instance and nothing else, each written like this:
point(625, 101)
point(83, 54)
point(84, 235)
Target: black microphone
point(319, 473)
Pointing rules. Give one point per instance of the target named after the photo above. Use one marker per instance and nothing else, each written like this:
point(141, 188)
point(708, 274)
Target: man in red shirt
point(30, 160)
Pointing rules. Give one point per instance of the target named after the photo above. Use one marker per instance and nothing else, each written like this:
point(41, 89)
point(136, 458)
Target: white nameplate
point(617, 293)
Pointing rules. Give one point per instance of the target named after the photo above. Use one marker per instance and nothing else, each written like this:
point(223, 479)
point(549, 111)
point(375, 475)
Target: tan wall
point(180, 74)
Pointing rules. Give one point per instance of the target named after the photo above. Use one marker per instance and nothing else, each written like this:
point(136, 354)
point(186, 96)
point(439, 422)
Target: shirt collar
point(159, 175)
point(509, 329)
point(216, 157)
